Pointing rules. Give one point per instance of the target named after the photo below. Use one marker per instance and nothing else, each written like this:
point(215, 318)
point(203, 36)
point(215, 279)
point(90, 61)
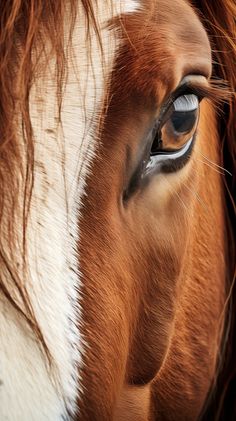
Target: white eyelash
point(186, 103)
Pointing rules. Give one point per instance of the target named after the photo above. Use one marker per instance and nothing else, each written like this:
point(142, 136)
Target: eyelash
point(200, 93)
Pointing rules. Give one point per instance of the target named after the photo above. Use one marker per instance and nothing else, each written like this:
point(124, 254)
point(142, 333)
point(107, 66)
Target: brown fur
point(155, 275)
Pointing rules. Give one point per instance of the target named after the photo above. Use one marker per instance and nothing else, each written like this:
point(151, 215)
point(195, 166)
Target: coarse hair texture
point(218, 18)
point(24, 27)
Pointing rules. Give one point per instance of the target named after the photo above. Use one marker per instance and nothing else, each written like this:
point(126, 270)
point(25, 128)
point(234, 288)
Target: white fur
point(63, 154)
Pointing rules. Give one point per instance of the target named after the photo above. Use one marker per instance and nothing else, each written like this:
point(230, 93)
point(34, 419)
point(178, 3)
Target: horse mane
point(25, 27)
point(218, 18)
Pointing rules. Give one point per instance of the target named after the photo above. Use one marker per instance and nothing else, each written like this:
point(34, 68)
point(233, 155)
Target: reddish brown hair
point(218, 18)
point(24, 27)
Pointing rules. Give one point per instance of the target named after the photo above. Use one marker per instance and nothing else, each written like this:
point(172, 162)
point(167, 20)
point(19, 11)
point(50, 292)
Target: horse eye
point(174, 137)
point(180, 124)
point(185, 113)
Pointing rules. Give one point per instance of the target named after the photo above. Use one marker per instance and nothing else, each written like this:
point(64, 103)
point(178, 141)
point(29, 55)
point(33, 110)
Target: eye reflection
point(182, 121)
point(179, 127)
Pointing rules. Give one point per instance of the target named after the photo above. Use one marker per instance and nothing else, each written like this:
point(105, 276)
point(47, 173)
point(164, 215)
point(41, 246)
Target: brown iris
point(178, 125)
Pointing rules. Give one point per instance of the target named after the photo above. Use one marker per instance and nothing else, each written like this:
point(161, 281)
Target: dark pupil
point(183, 121)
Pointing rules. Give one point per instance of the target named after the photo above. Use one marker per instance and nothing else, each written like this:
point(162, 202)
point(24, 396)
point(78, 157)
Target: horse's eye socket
point(172, 141)
point(179, 125)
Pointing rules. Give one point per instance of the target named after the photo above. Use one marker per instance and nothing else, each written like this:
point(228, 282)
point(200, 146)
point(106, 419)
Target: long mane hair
point(24, 27)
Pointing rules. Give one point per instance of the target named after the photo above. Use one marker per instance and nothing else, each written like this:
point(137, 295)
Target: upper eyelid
point(215, 90)
point(201, 91)
point(195, 84)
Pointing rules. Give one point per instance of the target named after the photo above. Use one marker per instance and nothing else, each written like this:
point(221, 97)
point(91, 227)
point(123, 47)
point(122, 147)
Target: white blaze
point(63, 155)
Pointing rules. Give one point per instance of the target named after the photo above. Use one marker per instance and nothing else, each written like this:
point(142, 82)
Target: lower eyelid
point(156, 162)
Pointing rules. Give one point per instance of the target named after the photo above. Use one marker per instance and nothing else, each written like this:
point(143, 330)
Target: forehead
point(164, 42)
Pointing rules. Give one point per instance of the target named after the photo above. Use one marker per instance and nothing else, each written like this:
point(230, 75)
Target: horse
point(117, 149)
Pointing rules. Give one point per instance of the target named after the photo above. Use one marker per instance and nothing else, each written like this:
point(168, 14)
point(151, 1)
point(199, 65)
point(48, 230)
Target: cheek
point(130, 263)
